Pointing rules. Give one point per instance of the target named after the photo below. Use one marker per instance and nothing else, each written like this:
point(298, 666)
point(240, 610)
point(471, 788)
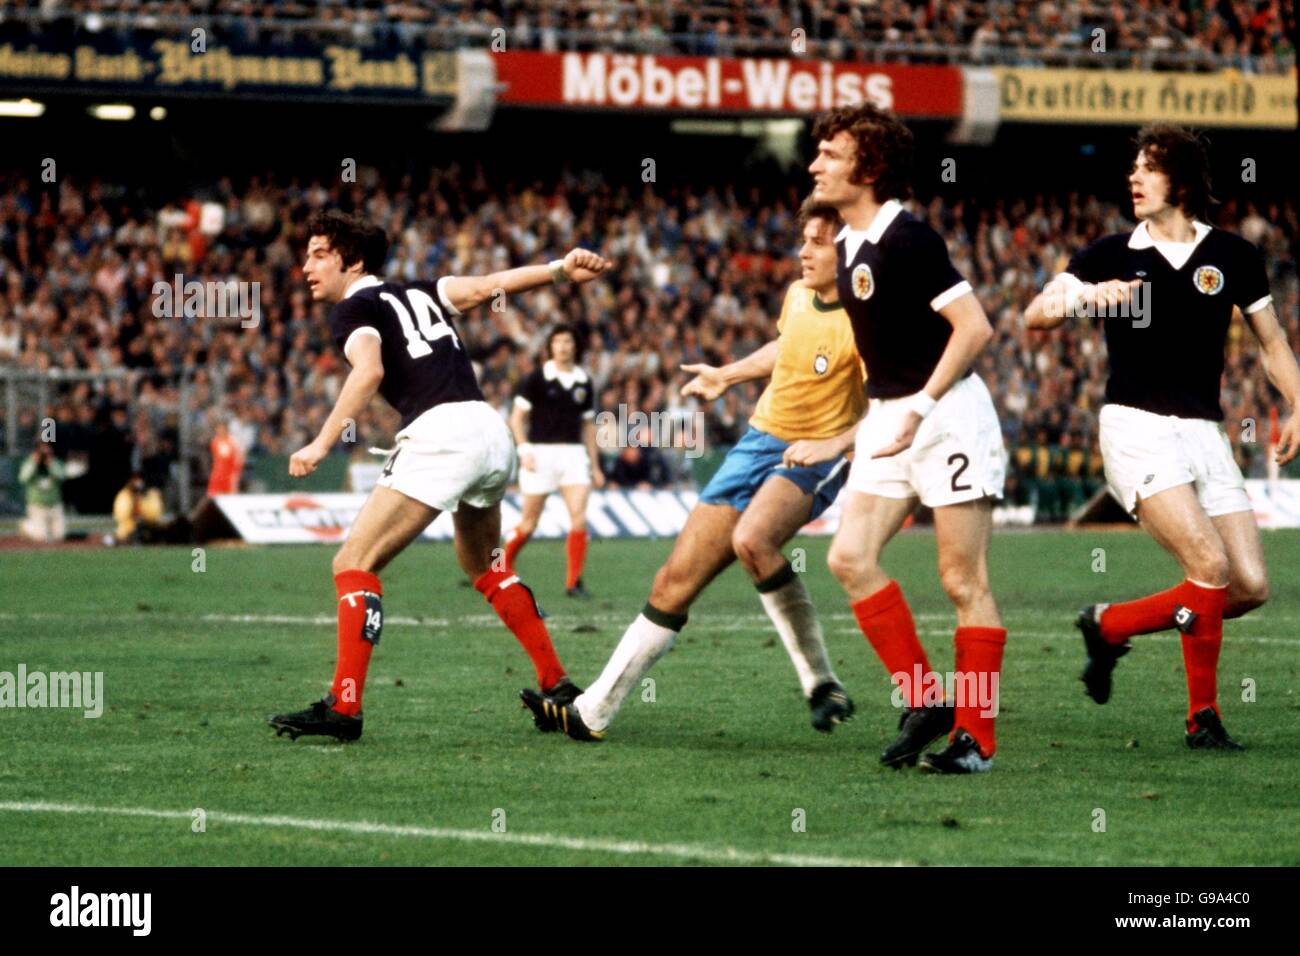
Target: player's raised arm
point(1048, 309)
point(1066, 295)
point(1280, 365)
point(359, 388)
point(467, 292)
point(711, 381)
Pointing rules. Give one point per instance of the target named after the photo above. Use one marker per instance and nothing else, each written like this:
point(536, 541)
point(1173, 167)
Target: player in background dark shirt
point(1167, 293)
point(454, 452)
point(554, 424)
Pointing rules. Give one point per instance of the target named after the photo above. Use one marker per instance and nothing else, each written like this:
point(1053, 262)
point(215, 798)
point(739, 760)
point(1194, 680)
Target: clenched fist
point(580, 265)
point(304, 461)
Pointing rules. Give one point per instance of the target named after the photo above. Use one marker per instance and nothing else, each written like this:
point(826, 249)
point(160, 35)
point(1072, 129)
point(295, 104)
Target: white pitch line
point(680, 851)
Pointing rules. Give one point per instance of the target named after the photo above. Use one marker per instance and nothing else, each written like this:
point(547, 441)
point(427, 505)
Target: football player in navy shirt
point(1166, 293)
point(454, 452)
point(554, 423)
point(930, 434)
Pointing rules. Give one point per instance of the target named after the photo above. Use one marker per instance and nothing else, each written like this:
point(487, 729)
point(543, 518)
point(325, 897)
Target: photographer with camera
point(138, 511)
point(41, 475)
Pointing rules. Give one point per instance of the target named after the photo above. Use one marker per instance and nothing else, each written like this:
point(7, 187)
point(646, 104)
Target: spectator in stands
point(41, 475)
point(109, 458)
point(1046, 469)
point(1169, 34)
point(639, 465)
point(1070, 483)
point(10, 339)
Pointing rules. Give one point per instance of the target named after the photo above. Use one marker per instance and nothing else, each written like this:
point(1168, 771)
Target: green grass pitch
point(715, 769)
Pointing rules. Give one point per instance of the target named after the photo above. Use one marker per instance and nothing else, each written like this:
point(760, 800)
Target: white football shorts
point(1146, 453)
point(454, 452)
point(957, 455)
point(558, 466)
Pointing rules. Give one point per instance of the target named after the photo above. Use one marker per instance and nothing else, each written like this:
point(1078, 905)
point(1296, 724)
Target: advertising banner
point(186, 66)
point(685, 84)
point(1122, 97)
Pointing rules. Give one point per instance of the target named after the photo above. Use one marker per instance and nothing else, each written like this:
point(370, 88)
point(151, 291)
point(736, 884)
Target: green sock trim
point(674, 622)
point(778, 580)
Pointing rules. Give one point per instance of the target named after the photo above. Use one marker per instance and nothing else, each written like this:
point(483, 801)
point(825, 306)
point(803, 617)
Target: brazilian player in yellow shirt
point(753, 505)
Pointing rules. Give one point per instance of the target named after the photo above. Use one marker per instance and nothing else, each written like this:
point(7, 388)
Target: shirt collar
point(1142, 238)
point(879, 223)
point(364, 282)
point(551, 372)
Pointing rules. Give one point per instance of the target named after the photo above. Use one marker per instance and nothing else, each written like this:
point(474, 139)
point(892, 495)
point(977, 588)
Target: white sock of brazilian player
point(787, 603)
point(646, 639)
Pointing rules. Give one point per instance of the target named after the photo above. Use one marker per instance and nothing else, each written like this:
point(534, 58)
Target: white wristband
point(922, 404)
point(558, 275)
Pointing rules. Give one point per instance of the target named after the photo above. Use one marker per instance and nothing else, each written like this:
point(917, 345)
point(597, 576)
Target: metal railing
point(33, 389)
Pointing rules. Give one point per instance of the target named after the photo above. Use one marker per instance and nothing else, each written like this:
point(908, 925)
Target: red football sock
point(1155, 612)
point(514, 604)
point(1201, 647)
point(979, 675)
point(514, 544)
point(886, 620)
point(361, 618)
point(576, 549)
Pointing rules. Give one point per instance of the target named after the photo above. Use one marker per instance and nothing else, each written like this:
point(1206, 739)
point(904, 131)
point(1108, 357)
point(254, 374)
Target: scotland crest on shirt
point(864, 283)
point(1208, 279)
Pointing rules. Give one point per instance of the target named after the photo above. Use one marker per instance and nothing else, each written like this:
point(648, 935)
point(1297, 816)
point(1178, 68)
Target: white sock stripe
point(352, 594)
point(1208, 587)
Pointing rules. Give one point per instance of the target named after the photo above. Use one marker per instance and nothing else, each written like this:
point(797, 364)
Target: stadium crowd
point(700, 276)
point(1249, 34)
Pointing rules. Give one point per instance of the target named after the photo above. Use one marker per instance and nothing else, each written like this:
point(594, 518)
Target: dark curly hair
point(885, 147)
point(353, 238)
point(1181, 155)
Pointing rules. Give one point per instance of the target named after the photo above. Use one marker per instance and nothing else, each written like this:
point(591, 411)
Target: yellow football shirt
point(816, 390)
